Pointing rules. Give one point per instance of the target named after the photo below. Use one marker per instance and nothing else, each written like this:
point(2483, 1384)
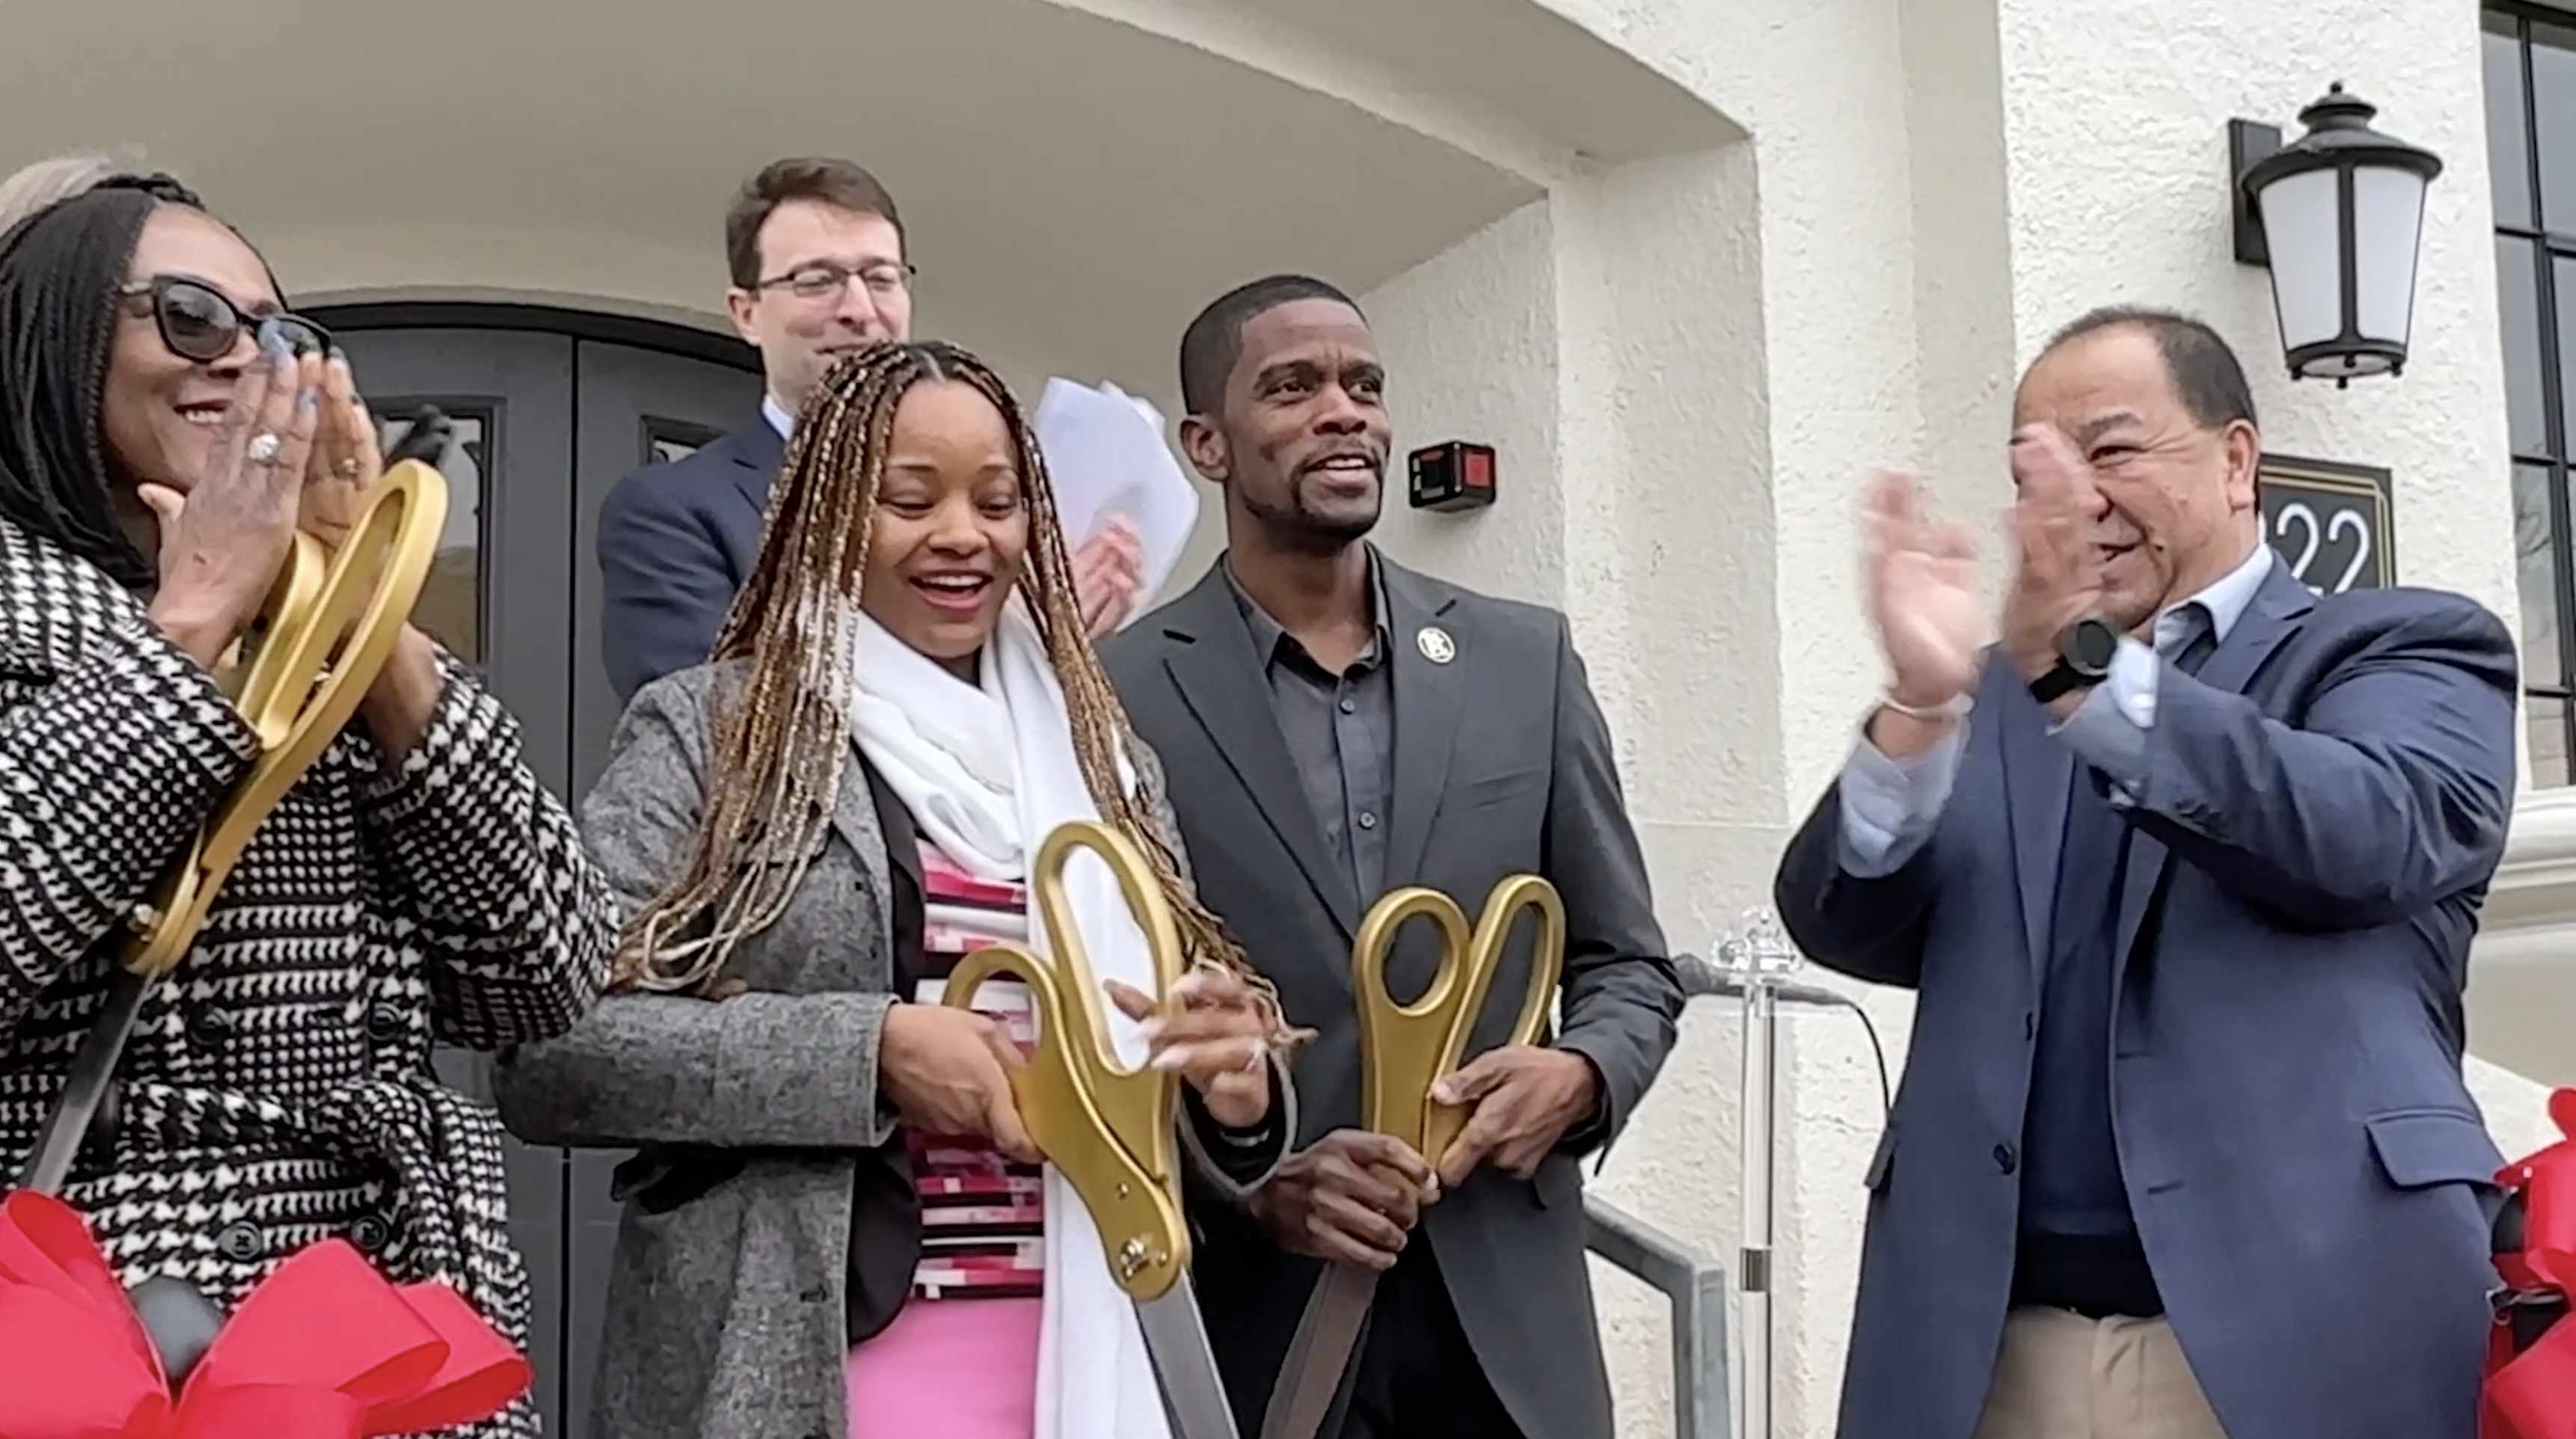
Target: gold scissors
point(1405, 1049)
point(1111, 1130)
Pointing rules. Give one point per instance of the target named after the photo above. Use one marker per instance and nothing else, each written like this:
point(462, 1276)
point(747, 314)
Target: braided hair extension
point(782, 747)
point(61, 271)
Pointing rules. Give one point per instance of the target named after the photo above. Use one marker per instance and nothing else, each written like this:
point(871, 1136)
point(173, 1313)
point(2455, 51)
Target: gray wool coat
point(726, 1315)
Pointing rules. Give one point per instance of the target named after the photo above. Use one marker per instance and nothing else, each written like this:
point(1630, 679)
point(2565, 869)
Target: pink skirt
point(957, 1368)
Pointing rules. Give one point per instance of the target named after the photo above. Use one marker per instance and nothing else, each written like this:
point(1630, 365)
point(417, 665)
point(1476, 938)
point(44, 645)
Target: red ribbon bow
point(2532, 1395)
point(324, 1348)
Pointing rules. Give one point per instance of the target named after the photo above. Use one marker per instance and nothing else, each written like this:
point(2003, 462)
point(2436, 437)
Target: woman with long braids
point(166, 426)
point(835, 1224)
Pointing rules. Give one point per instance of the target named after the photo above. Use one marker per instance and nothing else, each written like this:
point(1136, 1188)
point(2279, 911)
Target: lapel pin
point(1436, 645)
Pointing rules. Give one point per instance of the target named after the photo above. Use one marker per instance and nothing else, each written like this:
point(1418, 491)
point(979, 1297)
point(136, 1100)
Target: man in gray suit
point(2183, 1150)
point(1336, 726)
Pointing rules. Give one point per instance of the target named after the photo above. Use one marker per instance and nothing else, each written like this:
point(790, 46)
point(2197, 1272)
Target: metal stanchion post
point(1758, 959)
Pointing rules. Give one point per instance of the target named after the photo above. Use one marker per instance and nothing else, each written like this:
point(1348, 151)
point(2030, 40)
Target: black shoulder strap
point(86, 1094)
point(180, 1320)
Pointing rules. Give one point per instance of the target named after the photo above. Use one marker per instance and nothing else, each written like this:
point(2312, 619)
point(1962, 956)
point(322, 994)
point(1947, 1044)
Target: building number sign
point(2330, 523)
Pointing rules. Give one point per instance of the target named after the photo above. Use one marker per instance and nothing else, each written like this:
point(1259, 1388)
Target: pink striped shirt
point(983, 1217)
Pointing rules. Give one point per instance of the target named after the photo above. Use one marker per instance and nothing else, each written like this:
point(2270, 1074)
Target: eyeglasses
point(201, 323)
point(830, 282)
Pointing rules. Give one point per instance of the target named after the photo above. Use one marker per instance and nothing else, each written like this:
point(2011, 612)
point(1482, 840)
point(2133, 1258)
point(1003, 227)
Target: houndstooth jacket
point(277, 1090)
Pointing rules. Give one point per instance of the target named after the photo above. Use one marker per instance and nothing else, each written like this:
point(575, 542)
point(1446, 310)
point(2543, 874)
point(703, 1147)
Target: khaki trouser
point(2063, 1376)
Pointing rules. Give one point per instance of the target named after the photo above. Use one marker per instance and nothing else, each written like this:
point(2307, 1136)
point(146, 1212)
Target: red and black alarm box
point(1452, 476)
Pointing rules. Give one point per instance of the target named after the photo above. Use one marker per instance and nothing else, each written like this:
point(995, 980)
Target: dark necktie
point(2201, 644)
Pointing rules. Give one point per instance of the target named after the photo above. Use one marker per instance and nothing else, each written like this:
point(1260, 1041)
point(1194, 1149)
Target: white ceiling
point(1528, 64)
point(1083, 183)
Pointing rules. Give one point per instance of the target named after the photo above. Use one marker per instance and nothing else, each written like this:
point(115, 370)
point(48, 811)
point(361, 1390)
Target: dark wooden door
point(545, 424)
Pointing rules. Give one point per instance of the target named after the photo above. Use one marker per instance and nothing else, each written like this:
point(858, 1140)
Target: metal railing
point(1696, 1285)
point(1754, 968)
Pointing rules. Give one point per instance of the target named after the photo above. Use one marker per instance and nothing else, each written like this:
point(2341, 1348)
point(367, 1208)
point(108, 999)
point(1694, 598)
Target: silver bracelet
point(1260, 1136)
point(1957, 708)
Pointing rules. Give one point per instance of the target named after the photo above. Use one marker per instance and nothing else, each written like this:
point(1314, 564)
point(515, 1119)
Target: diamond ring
point(263, 450)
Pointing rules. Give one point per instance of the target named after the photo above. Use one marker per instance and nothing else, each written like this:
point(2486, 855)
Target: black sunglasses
point(201, 323)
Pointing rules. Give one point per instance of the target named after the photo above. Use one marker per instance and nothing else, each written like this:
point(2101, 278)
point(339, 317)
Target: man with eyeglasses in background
point(816, 252)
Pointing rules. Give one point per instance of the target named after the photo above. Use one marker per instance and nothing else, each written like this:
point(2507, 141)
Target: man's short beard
point(1294, 527)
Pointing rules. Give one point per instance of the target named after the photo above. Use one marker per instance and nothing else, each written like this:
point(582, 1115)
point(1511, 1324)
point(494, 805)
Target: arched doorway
point(551, 407)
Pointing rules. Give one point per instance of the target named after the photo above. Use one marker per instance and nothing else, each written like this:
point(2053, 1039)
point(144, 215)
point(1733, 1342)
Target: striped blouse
point(982, 1216)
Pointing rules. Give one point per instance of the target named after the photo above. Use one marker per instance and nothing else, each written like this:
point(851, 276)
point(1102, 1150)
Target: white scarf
point(988, 771)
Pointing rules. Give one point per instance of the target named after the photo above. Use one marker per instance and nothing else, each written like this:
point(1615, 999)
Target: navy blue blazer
point(676, 541)
point(2323, 809)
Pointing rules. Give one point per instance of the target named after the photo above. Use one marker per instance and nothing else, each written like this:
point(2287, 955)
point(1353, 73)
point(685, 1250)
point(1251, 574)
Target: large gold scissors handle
point(323, 636)
point(1405, 1049)
point(1109, 1129)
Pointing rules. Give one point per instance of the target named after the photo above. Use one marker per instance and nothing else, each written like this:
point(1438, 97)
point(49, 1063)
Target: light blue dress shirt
point(779, 420)
point(1889, 806)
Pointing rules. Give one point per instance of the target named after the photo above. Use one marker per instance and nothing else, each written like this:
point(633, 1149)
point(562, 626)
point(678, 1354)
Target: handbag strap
point(178, 1318)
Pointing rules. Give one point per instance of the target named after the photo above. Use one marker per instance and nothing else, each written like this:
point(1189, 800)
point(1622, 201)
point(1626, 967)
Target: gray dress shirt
point(1340, 731)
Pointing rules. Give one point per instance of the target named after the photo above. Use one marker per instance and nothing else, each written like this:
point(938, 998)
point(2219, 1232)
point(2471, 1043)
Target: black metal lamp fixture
point(2337, 216)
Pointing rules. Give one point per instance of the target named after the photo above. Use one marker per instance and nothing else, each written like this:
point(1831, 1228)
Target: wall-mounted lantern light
point(2337, 216)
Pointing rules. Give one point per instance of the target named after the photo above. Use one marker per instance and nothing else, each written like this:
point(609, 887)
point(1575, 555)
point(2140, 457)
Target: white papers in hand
point(1106, 453)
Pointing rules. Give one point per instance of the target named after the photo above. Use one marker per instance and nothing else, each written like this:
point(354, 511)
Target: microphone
point(1701, 977)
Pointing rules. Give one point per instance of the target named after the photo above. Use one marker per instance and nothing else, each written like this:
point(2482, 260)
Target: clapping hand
point(346, 456)
point(1920, 578)
point(344, 462)
point(223, 541)
point(2057, 577)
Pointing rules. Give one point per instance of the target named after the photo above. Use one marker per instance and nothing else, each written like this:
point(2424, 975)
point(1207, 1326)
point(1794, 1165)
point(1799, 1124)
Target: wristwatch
point(2085, 650)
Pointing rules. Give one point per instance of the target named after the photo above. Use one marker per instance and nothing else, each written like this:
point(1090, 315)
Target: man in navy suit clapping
point(2183, 872)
